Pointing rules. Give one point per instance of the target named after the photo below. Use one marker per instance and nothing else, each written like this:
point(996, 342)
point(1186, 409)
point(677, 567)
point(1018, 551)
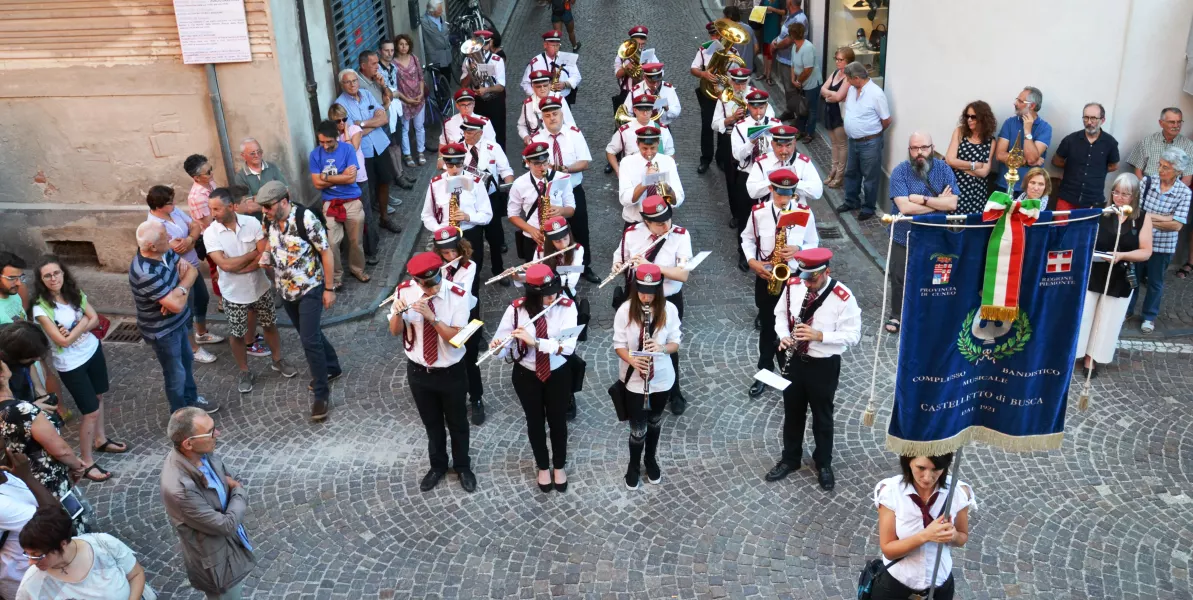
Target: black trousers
point(677, 300)
point(889, 588)
point(495, 233)
point(898, 270)
point(476, 236)
point(740, 201)
point(579, 223)
point(571, 98)
point(767, 340)
point(619, 98)
point(476, 389)
point(724, 154)
point(646, 424)
point(494, 109)
point(439, 396)
point(525, 246)
point(545, 399)
point(813, 384)
point(707, 107)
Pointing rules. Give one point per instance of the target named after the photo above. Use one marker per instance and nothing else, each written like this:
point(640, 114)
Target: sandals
point(104, 475)
point(892, 325)
point(112, 447)
point(363, 278)
point(409, 160)
point(1184, 271)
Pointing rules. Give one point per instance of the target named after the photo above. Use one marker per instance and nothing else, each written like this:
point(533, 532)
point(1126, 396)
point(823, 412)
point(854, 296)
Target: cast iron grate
point(123, 333)
point(828, 232)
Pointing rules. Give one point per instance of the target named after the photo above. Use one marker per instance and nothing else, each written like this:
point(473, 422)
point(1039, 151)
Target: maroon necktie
point(542, 362)
point(430, 339)
point(472, 162)
point(556, 150)
point(925, 509)
point(801, 347)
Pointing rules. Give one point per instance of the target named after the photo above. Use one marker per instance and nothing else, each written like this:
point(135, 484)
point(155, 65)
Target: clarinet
point(789, 353)
point(646, 319)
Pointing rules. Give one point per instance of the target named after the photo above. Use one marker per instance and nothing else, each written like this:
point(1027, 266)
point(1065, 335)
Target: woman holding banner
point(1106, 302)
point(911, 529)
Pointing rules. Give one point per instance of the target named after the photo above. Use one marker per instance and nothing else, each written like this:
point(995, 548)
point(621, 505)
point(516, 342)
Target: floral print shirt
point(298, 266)
point(16, 426)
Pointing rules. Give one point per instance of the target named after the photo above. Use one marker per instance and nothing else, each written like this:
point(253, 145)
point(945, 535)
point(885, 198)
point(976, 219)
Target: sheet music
point(655, 178)
point(567, 269)
point(660, 102)
point(465, 333)
point(1103, 257)
point(571, 332)
point(648, 56)
point(645, 353)
point(459, 183)
point(487, 69)
point(696, 260)
point(567, 59)
point(772, 379)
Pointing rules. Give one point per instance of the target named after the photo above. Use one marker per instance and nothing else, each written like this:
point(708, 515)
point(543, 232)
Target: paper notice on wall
point(212, 31)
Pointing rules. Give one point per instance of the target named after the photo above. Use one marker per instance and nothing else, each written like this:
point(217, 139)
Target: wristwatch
point(1027, 136)
point(184, 291)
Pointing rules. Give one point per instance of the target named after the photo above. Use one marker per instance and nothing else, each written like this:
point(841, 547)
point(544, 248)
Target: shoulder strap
point(811, 310)
point(300, 223)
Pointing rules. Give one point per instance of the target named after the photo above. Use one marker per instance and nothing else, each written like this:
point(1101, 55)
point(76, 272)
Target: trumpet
point(626, 264)
point(503, 343)
point(522, 267)
point(663, 188)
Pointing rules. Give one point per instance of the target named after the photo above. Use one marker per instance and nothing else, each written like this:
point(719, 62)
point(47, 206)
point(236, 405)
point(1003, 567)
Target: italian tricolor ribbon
point(1004, 254)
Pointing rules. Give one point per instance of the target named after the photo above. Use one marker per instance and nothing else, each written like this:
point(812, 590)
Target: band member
point(489, 90)
point(525, 206)
point(426, 314)
point(746, 149)
point(569, 153)
point(542, 379)
point(465, 105)
point(671, 256)
point(473, 210)
point(784, 156)
point(566, 74)
point(728, 114)
point(559, 236)
point(646, 322)
point(700, 71)
point(634, 169)
point(781, 213)
point(816, 319)
point(487, 160)
point(625, 139)
point(653, 84)
point(530, 118)
point(458, 268)
point(623, 67)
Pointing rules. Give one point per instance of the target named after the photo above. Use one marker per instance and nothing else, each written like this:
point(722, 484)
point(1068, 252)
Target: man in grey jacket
point(437, 47)
point(206, 507)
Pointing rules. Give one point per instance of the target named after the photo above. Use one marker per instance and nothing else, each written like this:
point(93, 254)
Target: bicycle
point(472, 19)
point(440, 107)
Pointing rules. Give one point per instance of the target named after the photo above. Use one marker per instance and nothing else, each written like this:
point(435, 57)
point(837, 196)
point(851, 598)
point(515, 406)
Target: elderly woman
point(1036, 186)
point(969, 156)
point(1166, 200)
point(96, 566)
point(1106, 302)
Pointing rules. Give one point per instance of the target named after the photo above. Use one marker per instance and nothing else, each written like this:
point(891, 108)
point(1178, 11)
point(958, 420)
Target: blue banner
point(962, 378)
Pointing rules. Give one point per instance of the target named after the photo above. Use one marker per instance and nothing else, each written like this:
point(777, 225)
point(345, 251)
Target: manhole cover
point(123, 333)
point(828, 232)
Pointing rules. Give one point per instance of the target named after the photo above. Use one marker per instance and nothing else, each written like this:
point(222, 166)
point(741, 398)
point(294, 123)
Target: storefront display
point(862, 26)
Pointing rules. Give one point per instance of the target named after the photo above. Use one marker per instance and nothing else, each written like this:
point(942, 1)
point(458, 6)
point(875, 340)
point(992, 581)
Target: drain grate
point(123, 333)
point(828, 232)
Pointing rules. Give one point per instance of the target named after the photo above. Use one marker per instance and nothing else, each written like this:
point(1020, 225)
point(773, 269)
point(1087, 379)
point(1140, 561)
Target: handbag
point(876, 36)
point(870, 573)
point(100, 331)
point(579, 368)
point(618, 393)
point(797, 102)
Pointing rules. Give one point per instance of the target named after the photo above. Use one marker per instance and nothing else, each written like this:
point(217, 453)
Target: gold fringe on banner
point(989, 312)
point(976, 433)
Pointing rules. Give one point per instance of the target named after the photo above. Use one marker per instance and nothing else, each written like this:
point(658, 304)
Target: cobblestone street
point(335, 510)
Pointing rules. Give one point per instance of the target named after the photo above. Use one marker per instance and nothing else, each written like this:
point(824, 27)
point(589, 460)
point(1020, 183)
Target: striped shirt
point(150, 281)
point(1173, 203)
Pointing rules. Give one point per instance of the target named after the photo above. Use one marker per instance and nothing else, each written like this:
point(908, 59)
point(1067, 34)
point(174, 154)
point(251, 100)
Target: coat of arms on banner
point(943, 268)
point(1060, 261)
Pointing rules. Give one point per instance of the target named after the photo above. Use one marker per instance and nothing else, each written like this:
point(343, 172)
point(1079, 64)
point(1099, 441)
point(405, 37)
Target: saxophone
point(453, 205)
point(544, 205)
point(779, 271)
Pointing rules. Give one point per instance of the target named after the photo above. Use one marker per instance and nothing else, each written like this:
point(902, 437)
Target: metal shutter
point(358, 25)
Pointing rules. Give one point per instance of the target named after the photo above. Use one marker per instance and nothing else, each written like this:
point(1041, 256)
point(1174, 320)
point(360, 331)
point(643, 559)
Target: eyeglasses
point(54, 275)
point(210, 434)
point(14, 278)
point(840, 58)
point(209, 171)
point(1119, 194)
point(927, 148)
point(34, 557)
point(971, 117)
point(350, 81)
point(253, 153)
point(1172, 122)
point(1091, 119)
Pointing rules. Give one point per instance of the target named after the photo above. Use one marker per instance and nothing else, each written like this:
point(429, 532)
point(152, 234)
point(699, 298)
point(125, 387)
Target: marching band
point(806, 316)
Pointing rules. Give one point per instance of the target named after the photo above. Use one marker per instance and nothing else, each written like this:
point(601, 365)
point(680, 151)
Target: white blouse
point(570, 280)
point(626, 334)
point(915, 570)
point(562, 316)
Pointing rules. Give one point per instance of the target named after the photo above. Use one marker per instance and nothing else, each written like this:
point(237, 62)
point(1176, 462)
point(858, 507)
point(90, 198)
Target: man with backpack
point(303, 263)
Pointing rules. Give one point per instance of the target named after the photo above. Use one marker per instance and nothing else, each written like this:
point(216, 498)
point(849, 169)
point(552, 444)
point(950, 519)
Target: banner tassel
point(1083, 401)
point(868, 417)
point(871, 411)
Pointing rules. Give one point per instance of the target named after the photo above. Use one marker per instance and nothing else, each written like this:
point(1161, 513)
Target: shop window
point(860, 25)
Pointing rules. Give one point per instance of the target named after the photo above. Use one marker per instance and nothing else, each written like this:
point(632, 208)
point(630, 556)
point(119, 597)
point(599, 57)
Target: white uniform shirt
point(570, 280)
point(810, 187)
point(559, 317)
point(625, 139)
point(666, 92)
point(915, 570)
point(451, 305)
point(474, 202)
point(839, 317)
point(462, 274)
point(626, 335)
point(239, 288)
point(627, 82)
point(490, 59)
point(572, 146)
point(452, 134)
point(491, 160)
point(540, 62)
point(722, 110)
point(631, 173)
point(530, 118)
point(704, 54)
point(676, 249)
point(758, 237)
point(745, 151)
point(524, 197)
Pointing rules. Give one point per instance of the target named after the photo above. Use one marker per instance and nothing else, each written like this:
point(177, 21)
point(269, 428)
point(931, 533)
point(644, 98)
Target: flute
point(397, 291)
point(506, 341)
point(626, 264)
point(522, 267)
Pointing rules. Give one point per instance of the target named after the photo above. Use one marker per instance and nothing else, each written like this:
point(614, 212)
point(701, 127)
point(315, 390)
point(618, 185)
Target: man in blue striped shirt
point(161, 285)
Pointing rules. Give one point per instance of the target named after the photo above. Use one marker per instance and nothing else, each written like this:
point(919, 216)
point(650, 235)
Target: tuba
point(453, 205)
point(779, 271)
point(473, 48)
point(629, 50)
point(730, 33)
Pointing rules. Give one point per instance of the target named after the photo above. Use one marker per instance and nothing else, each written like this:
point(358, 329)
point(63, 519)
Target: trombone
point(626, 264)
point(522, 267)
point(506, 341)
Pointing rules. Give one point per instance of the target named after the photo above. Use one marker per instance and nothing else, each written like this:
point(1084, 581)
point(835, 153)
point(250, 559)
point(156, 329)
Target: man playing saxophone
point(632, 187)
point(450, 202)
point(532, 198)
point(569, 154)
point(750, 142)
point(779, 219)
point(625, 139)
point(530, 118)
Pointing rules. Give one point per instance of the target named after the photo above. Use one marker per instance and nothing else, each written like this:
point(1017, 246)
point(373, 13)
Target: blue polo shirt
point(904, 182)
point(1012, 129)
point(376, 141)
point(334, 163)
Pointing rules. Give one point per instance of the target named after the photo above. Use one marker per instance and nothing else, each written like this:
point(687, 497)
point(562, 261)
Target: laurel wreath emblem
point(1015, 343)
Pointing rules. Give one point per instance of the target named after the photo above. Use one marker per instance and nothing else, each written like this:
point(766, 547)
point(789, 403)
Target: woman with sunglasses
point(969, 156)
point(96, 566)
point(541, 377)
point(646, 322)
point(62, 311)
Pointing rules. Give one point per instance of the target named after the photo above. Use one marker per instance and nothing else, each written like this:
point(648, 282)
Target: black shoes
point(330, 378)
point(743, 265)
point(431, 479)
point(546, 487)
point(505, 282)
point(703, 168)
point(591, 276)
point(319, 409)
point(632, 479)
point(757, 388)
point(478, 412)
point(505, 247)
point(467, 480)
point(571, 412)
point(757, 322)
point(559, 487)
point(826, 479)
point(780, 471)
point(371, 260)
point(608, 168)
point(653, 474)
point(844, 208)
point(678, 404)
point(866, 216)
point(732, 223)
point(391, 227)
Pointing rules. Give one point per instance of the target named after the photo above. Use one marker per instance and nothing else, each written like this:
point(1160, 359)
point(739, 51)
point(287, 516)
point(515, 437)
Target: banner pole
point(948, 504)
